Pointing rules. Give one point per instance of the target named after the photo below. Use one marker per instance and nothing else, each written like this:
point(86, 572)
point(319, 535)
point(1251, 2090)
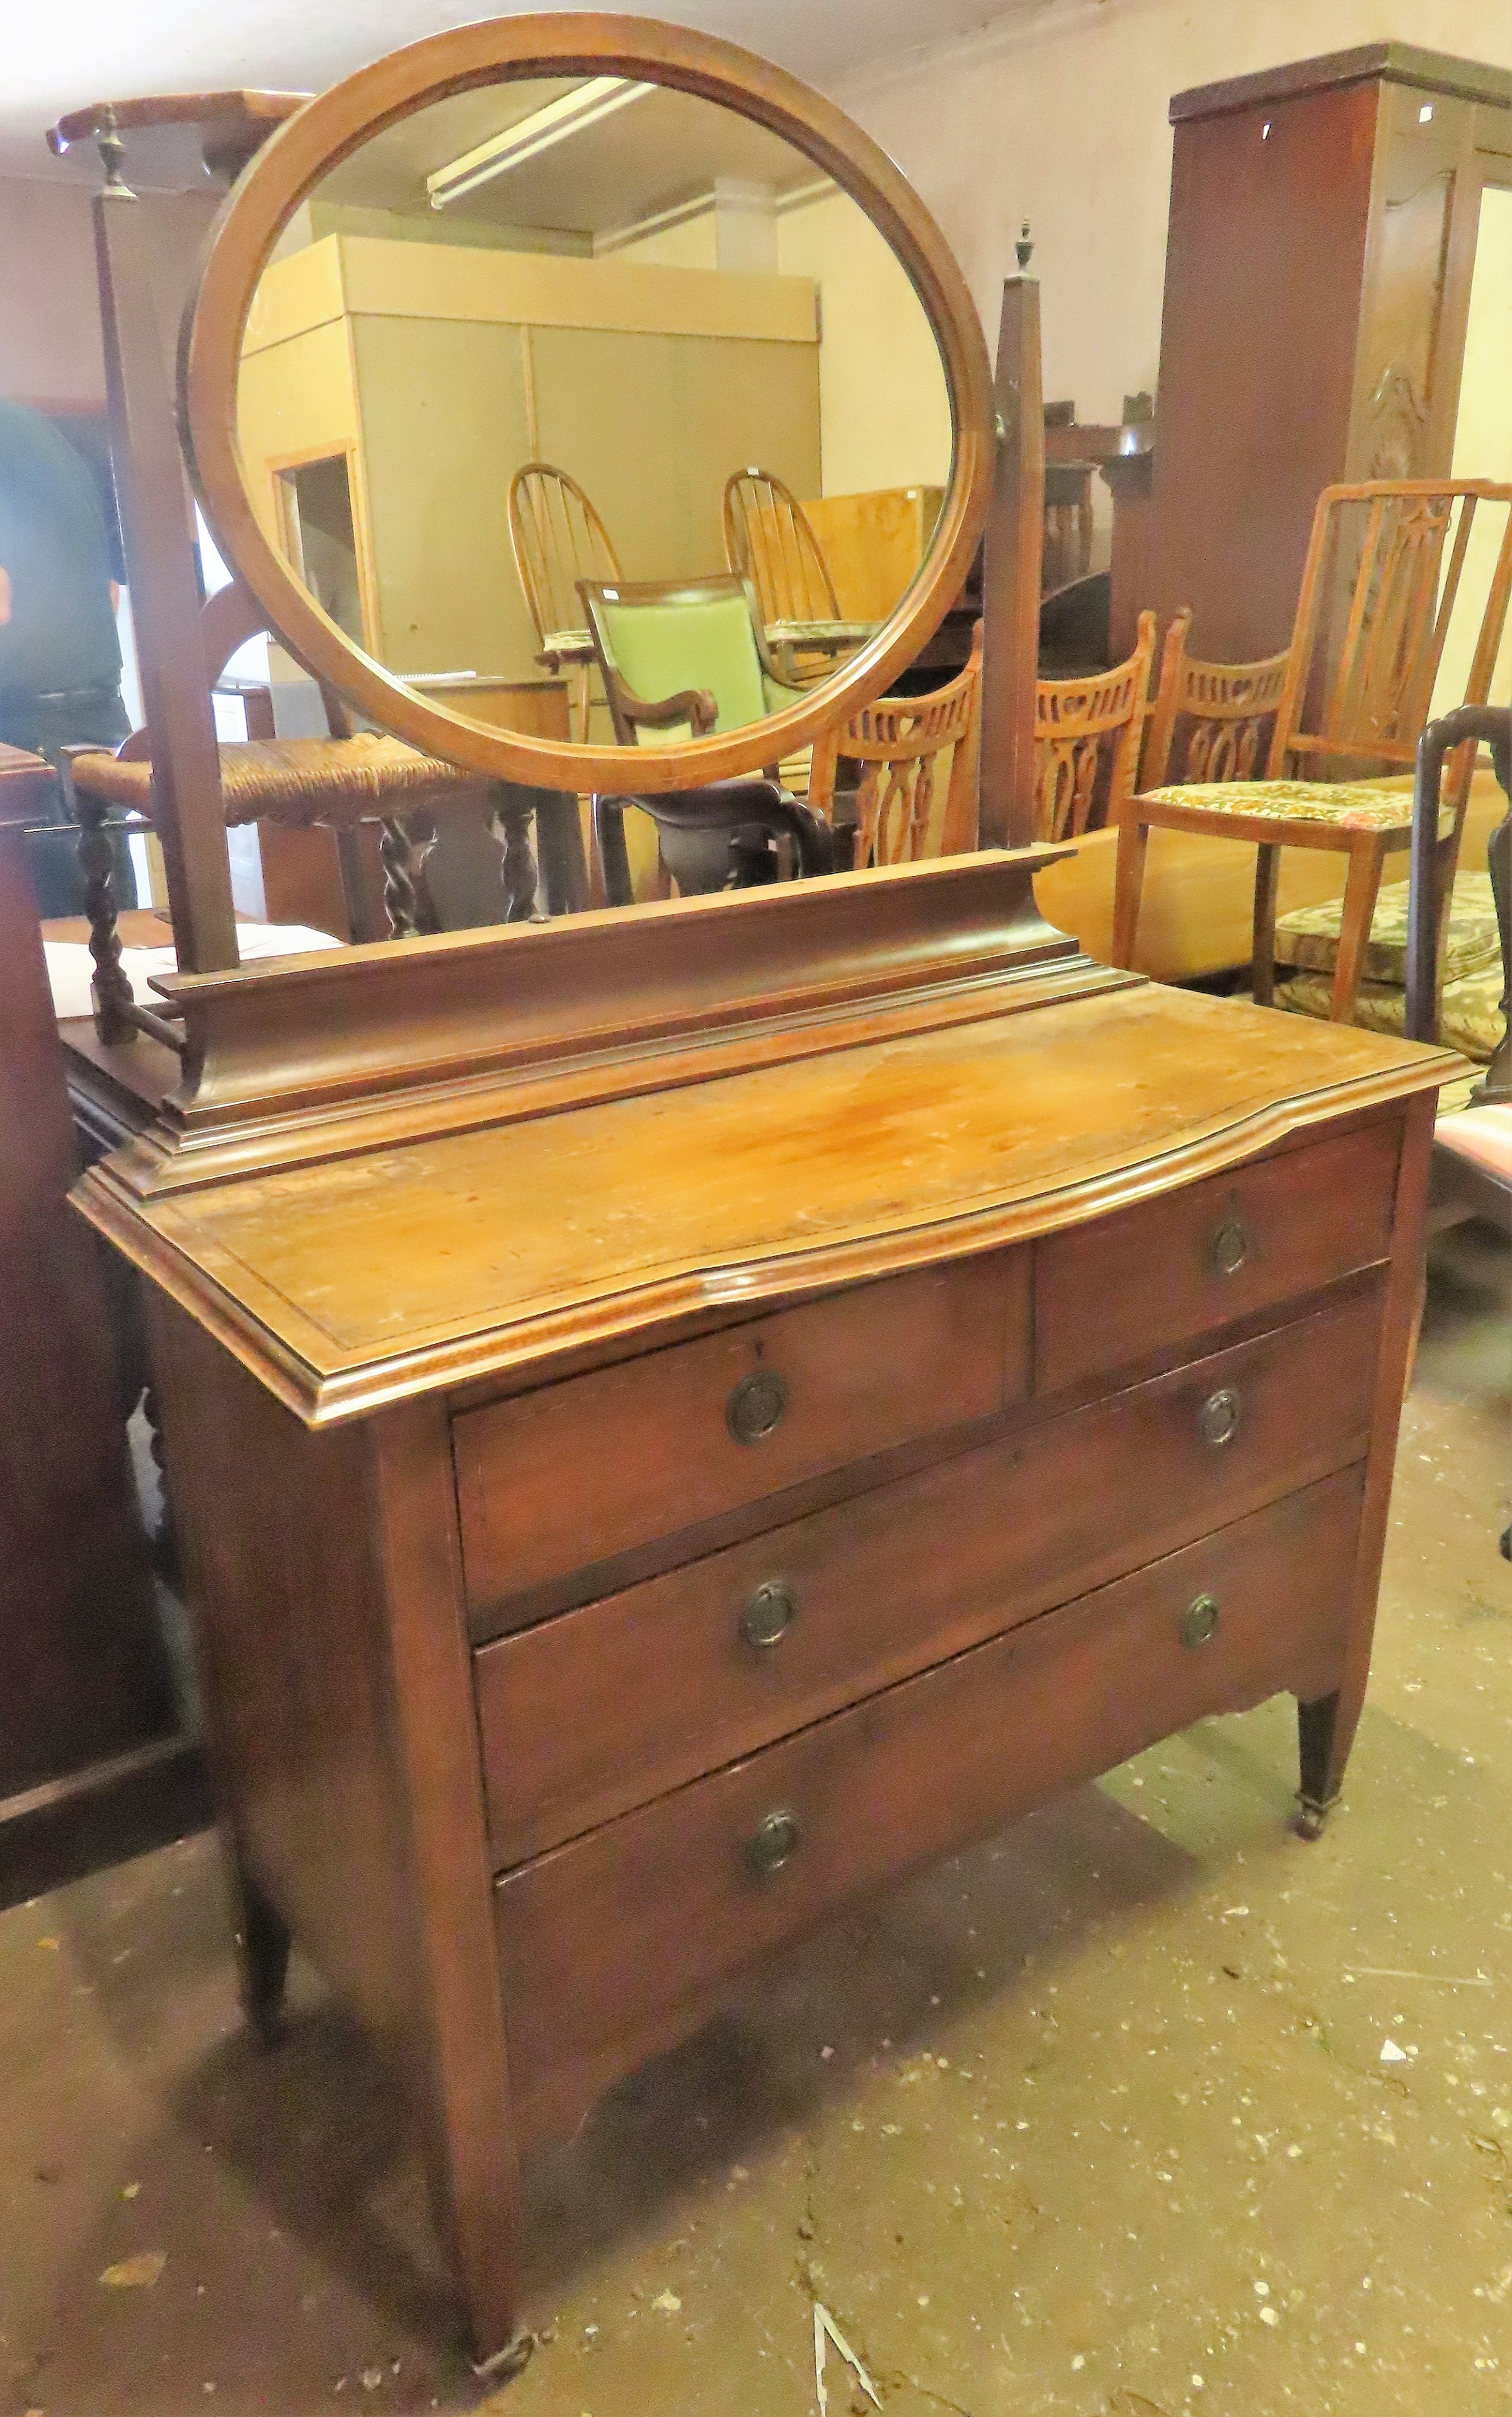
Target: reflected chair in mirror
point(768, 539)
point(680, 659)
point(1088, 734)
point(558, 539)
point(1383, 572)
point(913, 765)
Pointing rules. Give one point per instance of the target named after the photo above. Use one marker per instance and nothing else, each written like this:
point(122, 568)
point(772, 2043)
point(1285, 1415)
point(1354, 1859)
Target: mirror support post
point(1011, 570)
point(158, 532)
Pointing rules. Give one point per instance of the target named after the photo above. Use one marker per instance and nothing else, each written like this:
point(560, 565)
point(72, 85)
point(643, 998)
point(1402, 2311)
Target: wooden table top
point(455, 1254)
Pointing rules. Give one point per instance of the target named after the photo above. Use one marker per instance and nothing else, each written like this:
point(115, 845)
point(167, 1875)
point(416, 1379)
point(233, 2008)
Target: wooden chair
point(679, 659)
point(1210, 721)
point(768, 539)
point(336, 783)
point(558, 539)
point(903, 745)
point(1087, 738)
point(1475, 1162)
point(1358, 678)
point(173, 773)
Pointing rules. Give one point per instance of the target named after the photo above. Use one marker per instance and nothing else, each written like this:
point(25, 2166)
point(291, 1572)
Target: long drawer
point(617, 1944)
point(556, 1480)
point(586, 1715)
point(1157, 1277)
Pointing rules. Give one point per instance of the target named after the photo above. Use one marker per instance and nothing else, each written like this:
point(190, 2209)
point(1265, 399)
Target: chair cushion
point(300, 781)
point(1483, 1135)
point(660, 650)
point(1347, 805)
point(1470, 1009)
point(1308, 937)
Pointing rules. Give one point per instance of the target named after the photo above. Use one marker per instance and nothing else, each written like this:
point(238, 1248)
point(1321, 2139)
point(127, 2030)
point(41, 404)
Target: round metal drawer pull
point(1199, 1621)
point(769, 1614)
point(1217, 1420)
point(755, 1406)
point(773, 1843)
point(1229, 1248)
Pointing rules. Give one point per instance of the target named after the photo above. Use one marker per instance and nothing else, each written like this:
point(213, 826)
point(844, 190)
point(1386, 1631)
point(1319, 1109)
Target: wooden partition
point(434, 370)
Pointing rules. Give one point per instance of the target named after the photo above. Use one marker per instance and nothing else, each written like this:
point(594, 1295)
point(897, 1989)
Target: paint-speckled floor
point(1145, 2106)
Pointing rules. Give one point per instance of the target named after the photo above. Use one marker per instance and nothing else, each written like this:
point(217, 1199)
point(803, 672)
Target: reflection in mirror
point(596, 409)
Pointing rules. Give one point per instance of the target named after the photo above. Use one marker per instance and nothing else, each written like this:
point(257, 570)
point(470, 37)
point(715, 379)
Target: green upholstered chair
point(680, 659)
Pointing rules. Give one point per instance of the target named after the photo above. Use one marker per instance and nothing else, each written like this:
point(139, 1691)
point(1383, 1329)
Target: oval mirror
point(565, 386)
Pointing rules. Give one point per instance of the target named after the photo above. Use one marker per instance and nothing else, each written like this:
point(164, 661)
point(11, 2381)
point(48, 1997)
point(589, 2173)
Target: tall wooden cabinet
point(1324, 222)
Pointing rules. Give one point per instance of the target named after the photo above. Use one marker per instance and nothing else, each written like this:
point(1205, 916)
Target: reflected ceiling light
point(557, 122)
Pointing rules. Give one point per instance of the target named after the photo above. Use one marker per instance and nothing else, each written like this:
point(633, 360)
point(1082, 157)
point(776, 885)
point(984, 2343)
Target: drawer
point(586, 1715)
point(553, 1480)
point(617, 1945)
point(1131, 1285)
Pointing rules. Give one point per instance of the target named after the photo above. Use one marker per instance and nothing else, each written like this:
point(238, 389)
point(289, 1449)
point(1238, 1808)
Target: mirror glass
point(594, 330)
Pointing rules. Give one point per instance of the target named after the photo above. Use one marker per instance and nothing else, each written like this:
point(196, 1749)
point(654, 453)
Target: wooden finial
point(1024, 247)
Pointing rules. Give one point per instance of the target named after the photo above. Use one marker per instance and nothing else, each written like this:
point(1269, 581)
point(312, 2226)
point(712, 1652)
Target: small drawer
point(554, 1481)
point(585, 1716)
point(619, 1943)
point(1126, 1287)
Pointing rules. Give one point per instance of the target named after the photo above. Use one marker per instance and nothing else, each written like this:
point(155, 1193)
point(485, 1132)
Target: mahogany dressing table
point(679, 1417)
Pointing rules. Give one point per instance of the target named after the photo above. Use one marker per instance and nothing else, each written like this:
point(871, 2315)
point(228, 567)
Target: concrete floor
point(1095, 2119)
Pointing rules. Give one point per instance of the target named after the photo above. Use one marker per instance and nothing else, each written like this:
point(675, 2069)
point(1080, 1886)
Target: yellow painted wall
point(444, 426)
point(883, 407)
point(295, 400)
point(691, 243)
point(648, 383)
point(1483, 442)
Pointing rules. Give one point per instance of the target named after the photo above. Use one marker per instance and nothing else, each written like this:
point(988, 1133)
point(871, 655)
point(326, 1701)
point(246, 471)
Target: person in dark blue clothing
point(60, 658)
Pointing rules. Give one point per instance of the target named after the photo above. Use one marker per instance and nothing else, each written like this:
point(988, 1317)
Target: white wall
point(1058, 115)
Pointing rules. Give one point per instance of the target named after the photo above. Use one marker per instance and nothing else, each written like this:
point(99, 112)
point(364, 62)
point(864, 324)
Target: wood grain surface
point(380, 1273)
point(900, 1577)
point(614, 1944)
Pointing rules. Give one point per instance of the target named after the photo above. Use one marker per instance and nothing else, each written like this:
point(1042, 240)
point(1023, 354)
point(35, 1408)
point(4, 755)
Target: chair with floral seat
point(1375, 609)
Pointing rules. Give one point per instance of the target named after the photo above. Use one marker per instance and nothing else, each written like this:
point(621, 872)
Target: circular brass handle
point(1199, 1621)
point(773, 1843)
point(755, 1406)
point(1229, 1248)
point(1217, 1420)
point(769, 1614)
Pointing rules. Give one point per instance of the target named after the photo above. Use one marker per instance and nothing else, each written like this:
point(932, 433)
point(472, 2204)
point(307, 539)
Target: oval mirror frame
point(336, 123)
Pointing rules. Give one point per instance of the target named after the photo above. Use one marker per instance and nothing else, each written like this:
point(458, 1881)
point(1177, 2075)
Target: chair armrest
point(1468, 723)
point(729, 805)
point(695, 706)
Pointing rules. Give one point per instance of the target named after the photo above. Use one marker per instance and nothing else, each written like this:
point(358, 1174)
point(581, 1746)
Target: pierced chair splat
point(917, 760)
point(1087, 738)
